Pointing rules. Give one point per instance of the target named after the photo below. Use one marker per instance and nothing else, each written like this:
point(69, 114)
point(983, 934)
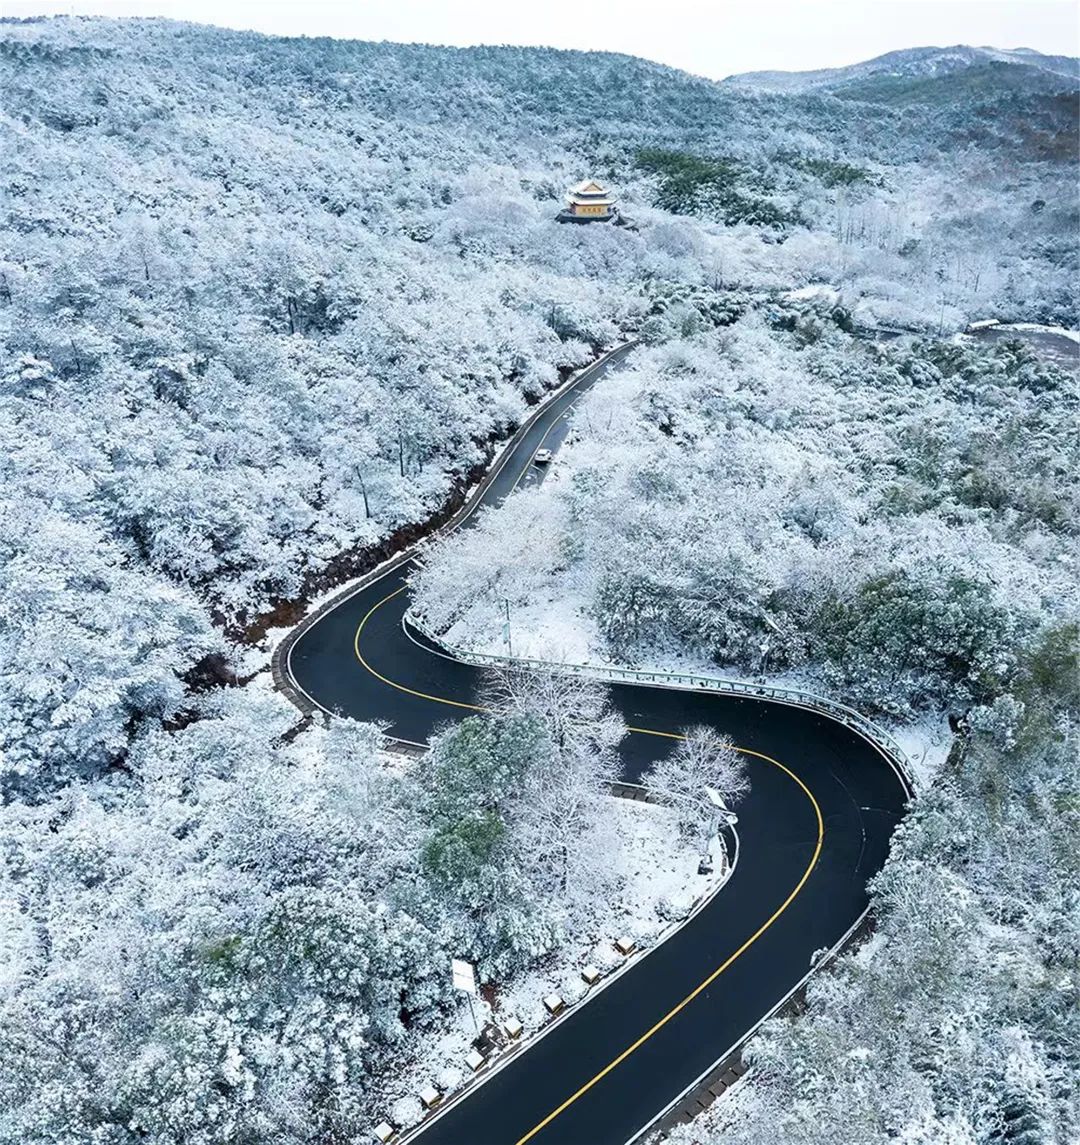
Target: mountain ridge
point(926, 62)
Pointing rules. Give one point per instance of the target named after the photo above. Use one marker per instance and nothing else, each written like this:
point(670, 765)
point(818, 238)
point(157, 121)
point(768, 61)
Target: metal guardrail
point(729, 1068)
point(794, 697)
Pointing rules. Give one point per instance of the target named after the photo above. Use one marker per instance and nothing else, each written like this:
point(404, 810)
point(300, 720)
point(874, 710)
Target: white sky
point(713, 38)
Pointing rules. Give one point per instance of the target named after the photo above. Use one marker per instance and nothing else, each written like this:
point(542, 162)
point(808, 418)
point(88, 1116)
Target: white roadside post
point(512, 1029)
point(719, 811)
point(464, 978)
point(763, 648)
point(430, 1097)
point(766, 645)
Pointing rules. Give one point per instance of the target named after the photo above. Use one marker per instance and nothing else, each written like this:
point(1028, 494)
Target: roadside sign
point(463, 975)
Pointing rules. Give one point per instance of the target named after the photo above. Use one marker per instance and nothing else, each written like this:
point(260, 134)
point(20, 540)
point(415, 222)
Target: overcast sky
point(710, 37)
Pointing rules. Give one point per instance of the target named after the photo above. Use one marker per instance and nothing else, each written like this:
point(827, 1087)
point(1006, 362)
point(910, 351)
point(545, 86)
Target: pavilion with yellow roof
point(588, 202)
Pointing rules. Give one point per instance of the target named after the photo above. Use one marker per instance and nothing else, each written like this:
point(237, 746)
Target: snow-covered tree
point(520, 837)
point(268, 308)
point(702, 759)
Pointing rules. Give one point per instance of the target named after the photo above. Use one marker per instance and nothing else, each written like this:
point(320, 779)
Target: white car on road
point(542, 456)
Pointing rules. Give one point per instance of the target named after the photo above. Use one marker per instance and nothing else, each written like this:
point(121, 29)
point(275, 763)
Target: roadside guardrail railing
point(729, 1068)
point(781, 694)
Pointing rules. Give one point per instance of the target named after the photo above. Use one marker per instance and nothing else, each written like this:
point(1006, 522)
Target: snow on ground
point(255, 658)
point(250, 660)
point(557, 629)
point(274, 636)
point(660, 885)
point(816, 290)
point(551, 627)
point(926, 744)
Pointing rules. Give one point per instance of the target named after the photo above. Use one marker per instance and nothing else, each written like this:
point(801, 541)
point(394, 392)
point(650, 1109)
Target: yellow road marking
point(722, 967)
point(401, 687)
point(441, 699)
point(666, 735)
point(716, 973)
point(565, 413)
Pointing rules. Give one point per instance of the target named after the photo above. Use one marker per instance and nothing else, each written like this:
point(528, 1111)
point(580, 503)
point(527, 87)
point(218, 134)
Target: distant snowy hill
point(1026, 68)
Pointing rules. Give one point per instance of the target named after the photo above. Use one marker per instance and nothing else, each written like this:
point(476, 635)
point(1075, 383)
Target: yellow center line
point(393, 683)
point(716, 973)
point(442, 699)
point(722, 967)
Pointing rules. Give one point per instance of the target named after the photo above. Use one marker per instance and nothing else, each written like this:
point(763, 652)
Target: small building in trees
point(589, 202)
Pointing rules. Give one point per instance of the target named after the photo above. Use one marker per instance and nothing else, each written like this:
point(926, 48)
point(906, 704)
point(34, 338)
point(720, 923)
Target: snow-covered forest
point(898, 526)
point(268, 306)
point(896, 523)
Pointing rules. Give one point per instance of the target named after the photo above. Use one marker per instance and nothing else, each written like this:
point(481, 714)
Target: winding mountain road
point(814, 829)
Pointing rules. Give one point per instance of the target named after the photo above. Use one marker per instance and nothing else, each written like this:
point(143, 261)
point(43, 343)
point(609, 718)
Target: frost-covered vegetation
point(959, 1022)
point(237, 935)
point(897, 523)
point(267, 305)
point(900, 526)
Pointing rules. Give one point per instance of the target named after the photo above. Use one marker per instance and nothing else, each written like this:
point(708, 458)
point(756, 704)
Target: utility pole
point(506, 628)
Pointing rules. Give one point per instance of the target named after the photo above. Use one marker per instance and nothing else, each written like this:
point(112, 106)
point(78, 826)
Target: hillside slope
point(267, 305)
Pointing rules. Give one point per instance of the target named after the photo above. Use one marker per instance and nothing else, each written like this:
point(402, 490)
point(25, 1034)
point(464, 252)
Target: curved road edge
point(875, 735)
point(470, 1086)
point(729, 1066)
point(708, 1086)
point(280, 661)
point(286, 682)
